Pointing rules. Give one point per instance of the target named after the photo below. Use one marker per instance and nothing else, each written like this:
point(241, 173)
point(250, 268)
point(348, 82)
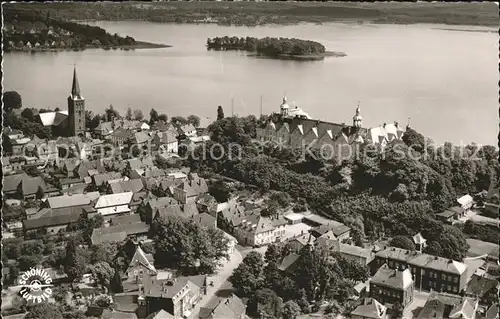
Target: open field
point(260, 13)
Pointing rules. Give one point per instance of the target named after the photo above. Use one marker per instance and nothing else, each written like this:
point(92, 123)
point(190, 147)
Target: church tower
point(357, 120)
point(284, 108)
point(76, 109)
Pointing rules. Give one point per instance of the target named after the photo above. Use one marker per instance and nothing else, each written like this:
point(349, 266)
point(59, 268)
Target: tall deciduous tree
point(265, 304)
point(128, 115)
point(12, 100)
point(153, 116)
point(273, 253)
point(102, 272)
point(138, 116)
point(290, 310)
point(111, 113)
point(181, 243)
point(402, 242)
point(74, 265)
point(194, 120)
point(116, 282)
point(220, 113)
point(163, 117)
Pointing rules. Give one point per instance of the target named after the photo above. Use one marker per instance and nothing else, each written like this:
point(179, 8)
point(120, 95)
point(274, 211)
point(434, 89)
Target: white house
point(112, 205)
point(466, 202)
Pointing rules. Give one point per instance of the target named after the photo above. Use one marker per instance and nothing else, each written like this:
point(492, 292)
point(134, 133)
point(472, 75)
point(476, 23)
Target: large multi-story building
point(295, 128)
point(429, 272)
point(392, 285)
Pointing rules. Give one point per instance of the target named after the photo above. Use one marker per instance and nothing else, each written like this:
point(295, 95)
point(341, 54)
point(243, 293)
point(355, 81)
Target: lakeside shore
point(137, 46)
point(308, 57)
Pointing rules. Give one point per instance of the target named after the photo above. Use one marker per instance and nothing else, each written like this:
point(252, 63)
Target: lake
point(445, 80)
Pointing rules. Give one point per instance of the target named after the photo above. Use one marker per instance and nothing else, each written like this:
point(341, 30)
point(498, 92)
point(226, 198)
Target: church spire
point(357, 119)
point(75, 88)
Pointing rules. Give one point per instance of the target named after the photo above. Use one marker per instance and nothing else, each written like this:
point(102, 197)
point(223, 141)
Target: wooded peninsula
point(32, 31)
point(278, 48)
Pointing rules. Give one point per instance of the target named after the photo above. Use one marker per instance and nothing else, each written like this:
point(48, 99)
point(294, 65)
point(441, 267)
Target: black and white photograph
point(250, 160)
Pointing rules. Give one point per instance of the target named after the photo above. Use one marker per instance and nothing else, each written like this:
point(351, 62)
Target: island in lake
point(276, 48)
point(31, 31)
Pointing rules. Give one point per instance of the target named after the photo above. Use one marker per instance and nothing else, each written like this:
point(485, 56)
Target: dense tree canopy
point(402, 242)
point(12, 100)
point(268, 46)
point(377, 193)
point(43, 311)
point(182, 243)
point(194, 120)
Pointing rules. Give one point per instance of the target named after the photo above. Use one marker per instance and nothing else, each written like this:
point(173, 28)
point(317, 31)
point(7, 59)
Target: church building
point(70, 122)
point(295, 128)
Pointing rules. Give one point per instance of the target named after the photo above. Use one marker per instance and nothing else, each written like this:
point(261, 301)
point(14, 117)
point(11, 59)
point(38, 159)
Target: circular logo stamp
point(36, 285)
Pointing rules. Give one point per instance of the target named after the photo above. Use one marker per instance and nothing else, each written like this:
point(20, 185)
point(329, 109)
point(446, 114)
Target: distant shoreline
point(137, 46)
point(270, 13)
point(467, 30)
point(314, 57)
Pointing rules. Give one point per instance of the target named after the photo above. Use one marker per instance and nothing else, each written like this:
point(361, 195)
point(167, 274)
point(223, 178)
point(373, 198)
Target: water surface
point(445, 80)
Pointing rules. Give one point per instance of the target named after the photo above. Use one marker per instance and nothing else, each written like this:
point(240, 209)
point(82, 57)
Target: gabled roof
point(392, 278)
point(50, 220)
point(167, 137)
point(104, 128)
point(186, 129)
point(11, 182)
point(423, 260)
point(418, 239)
point(140, 258)
point(132, 185)
point(167, 289)
point(288, 261)
point(126, 219)
point(72, 200)
point(53, 118)
point(172, 210)
point(29, 186)
point(161, 314)
point(206, 220)
point(118, 233)
point(221, 308)
point(480, 286)
point(465, 200)
point(365, 253)
point(256, 224)
point(492, 312)
point(141, 137)
point(372, 309)
point(465, 310)
point(114, 200)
